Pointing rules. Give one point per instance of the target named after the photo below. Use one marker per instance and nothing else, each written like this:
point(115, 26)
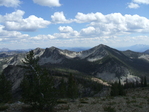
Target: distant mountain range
point(77, 49)
point(136, 48)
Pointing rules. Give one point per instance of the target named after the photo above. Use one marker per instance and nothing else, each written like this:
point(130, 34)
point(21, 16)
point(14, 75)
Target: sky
point(26, 24)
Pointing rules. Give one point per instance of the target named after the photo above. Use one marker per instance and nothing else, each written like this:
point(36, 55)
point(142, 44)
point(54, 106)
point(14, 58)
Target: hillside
point(136, 99)
point(100, 61)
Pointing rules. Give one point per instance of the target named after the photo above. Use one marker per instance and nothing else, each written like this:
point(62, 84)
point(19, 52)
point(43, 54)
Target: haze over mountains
point(136, 48)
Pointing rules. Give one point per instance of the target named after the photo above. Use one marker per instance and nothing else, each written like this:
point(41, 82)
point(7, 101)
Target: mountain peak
point(100, 45)
point(53, 48)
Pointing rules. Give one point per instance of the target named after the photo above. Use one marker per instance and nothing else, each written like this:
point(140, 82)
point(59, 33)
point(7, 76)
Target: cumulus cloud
point(88, 31)
point(49, 3)
point(43, 37)
point(11, 35)
point(59, 17)
point(114, 23)
point(141, 1)
point(66, 32)
point(65, 29)
point(15, 21)
point(10, 3)
point(82, 18)
point(133, 5)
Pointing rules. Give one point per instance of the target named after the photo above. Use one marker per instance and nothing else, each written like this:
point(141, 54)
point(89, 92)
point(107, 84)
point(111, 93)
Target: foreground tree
point(37, 86)
point(5, 89)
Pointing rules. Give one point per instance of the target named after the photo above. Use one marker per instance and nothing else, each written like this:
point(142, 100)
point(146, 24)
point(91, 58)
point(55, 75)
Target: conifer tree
point(142, 80)
point(145, 81)
point(73, 90)
point(37, 86)
point(117, 89)
point(62, 89)
point(121, 89)
point(114, 89)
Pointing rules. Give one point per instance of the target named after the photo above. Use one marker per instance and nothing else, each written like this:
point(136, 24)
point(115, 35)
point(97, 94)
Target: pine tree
point(72, 90)
point(121, 89)
point(62, 89)
point(142, 80)
point(114, 89)
point(117, 89)
point(37, 86)
point(145, 82)
point(5, 89)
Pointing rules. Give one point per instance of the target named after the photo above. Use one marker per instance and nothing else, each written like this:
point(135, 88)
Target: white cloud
point(43, 37)
point(65, 29)
point(141, 1)
point(66, 32)
point(113, 24)
point(82, 18)
point(59, 17)
point(10, 3)
point(133, 5)
point(11, 35)
point(49, 3)
point(14, 21)
point(88, 31)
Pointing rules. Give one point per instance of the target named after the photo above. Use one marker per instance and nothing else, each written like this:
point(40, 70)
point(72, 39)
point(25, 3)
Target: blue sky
point(73, 23)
